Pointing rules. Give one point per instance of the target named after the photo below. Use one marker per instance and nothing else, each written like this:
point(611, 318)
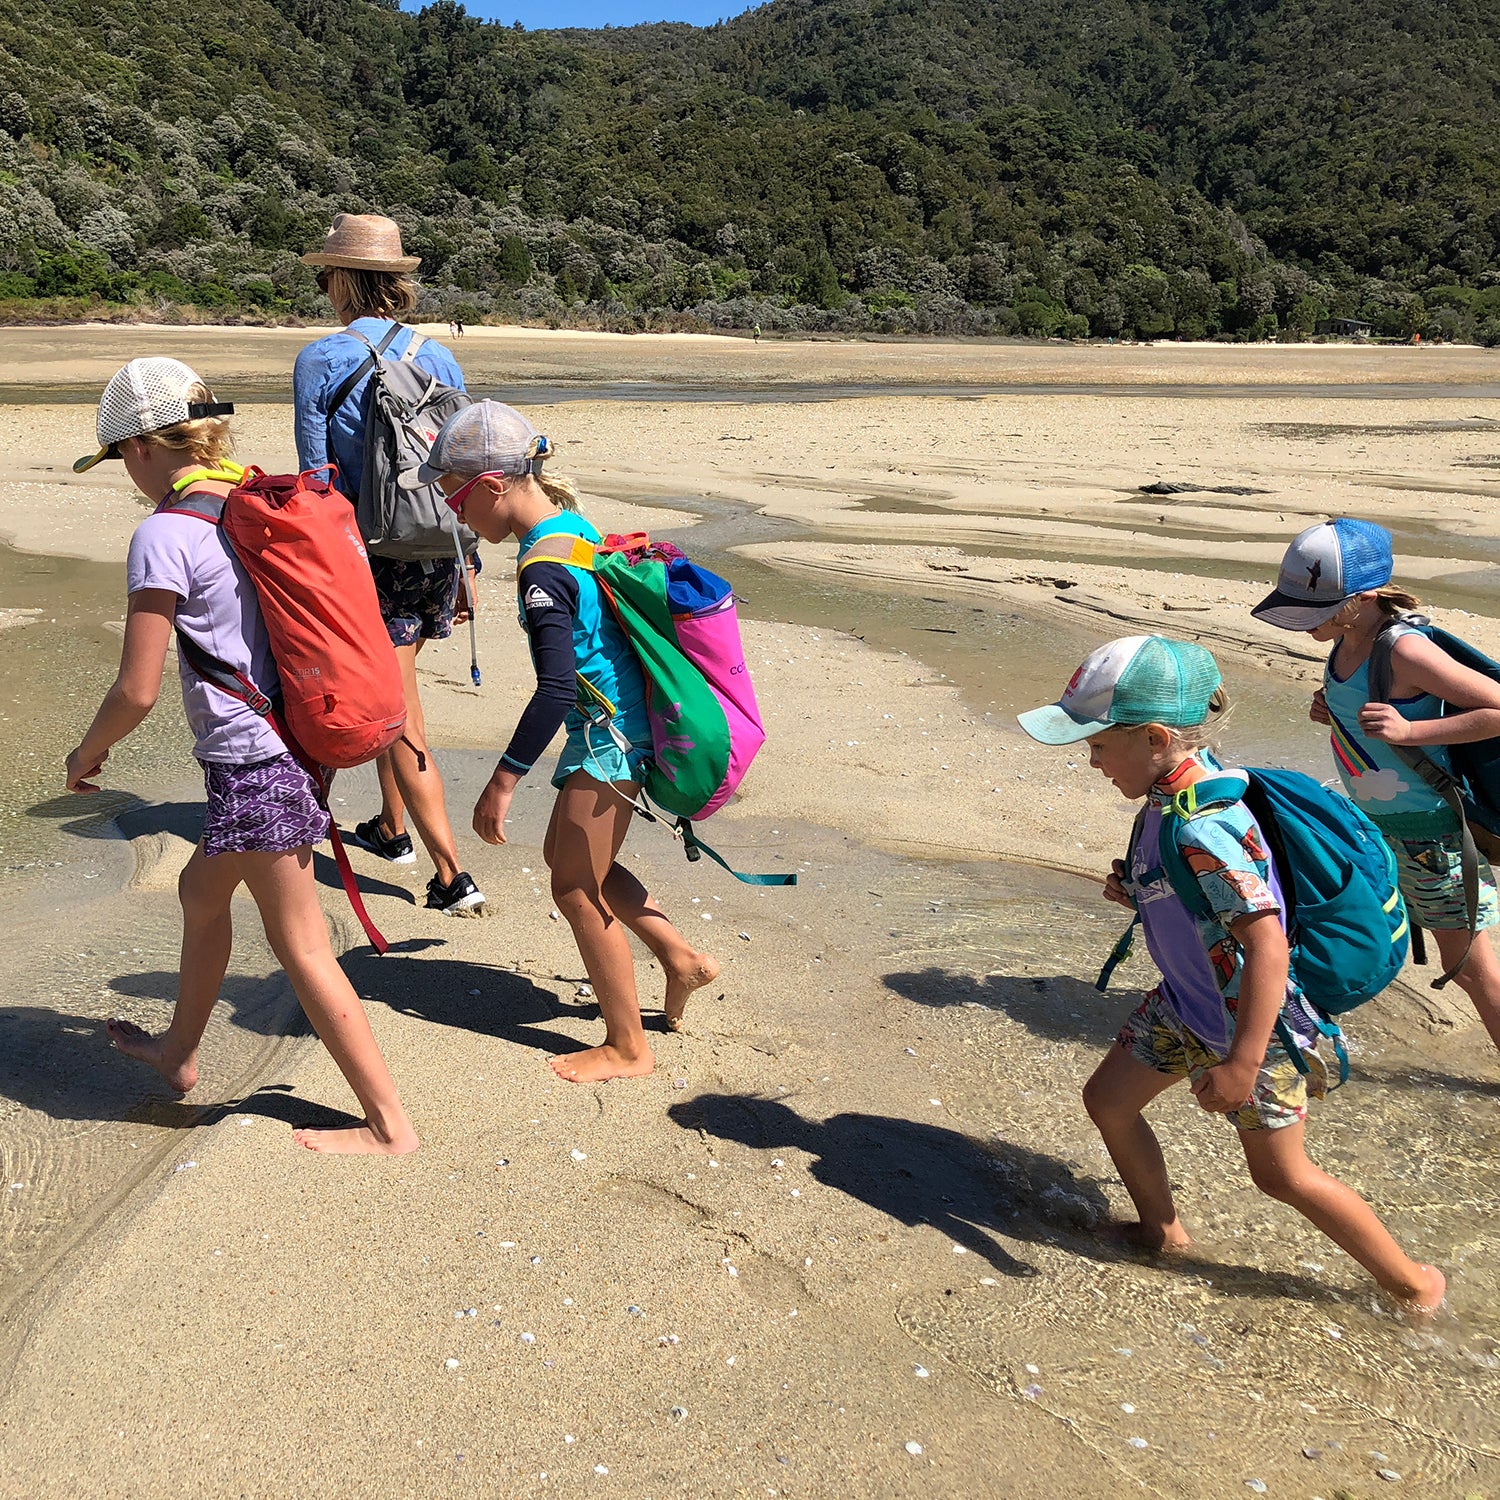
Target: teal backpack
point(1344, 916)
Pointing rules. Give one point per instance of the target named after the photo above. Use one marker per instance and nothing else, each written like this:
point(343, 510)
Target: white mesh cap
point(146, 396)
point(486, 437)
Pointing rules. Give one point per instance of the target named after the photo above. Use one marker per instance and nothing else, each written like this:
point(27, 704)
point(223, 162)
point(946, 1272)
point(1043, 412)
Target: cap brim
point(1054, 725)
point(83, 465)
point(419, 478)
point(1287, 613)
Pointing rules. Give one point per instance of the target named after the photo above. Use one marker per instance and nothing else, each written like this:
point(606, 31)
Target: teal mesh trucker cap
point(1138, 679)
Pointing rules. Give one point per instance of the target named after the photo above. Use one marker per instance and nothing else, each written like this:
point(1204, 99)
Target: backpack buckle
point(257, 702)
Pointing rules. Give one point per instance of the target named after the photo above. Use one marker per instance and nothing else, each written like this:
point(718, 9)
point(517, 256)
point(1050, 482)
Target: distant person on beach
point(363, 272)
point(263, 815)
point(458, 328)
point(1146, 708)
point(489, 460)
point(1335, 584)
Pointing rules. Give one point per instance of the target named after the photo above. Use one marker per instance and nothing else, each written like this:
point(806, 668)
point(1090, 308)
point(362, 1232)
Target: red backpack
point(341, 701)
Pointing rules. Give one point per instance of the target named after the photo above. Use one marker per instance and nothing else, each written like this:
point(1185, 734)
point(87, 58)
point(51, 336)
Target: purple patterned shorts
point(270, 807)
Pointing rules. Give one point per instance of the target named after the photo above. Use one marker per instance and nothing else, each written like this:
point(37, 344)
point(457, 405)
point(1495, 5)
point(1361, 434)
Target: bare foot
point(1154, 1240)
point(357, 1140)
point(681, 983)
point(598, 1064)
point(1427, 1301)
point(180, 1073)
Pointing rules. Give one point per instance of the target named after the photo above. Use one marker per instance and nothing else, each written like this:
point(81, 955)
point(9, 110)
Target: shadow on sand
point(972, 1192)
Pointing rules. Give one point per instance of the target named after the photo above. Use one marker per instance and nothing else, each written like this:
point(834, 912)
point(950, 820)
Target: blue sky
point(538, 14)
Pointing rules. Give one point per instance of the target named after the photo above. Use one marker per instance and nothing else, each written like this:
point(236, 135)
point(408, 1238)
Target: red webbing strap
point(351, 890)
point(323, 778)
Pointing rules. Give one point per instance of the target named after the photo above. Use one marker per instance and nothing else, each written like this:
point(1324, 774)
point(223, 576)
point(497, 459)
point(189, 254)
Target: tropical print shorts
point(270, 807)
point(1153, 1035)
point(417, 599)
point(1430, 873)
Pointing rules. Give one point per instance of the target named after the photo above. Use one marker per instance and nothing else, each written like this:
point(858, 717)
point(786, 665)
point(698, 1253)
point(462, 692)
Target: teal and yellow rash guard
point(572, 633)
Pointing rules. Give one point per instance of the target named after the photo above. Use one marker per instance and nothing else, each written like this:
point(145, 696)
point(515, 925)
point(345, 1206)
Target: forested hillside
point(1105, 167)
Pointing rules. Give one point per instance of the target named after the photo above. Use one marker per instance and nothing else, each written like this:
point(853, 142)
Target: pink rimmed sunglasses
point(461, 494)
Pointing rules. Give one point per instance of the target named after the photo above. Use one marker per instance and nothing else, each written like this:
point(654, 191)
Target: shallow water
point(552, 393)
point(1265, 1344)
point(52, 675)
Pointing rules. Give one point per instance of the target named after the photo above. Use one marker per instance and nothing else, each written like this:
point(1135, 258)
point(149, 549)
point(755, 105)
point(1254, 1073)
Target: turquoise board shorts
point(591, 749)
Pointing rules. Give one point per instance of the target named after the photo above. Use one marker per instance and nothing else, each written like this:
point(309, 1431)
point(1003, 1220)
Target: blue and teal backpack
point(1344, 917)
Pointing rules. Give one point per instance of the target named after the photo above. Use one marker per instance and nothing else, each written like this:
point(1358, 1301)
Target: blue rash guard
point(572, 633)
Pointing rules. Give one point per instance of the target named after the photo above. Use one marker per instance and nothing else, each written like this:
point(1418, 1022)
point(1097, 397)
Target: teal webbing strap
point(1118, 954)
point(695, 848)
point(1329, 1030)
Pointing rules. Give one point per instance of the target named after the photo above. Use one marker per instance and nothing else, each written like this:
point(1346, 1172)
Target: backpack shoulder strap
point(559, 546)
point(1439, 779)
point(1126, 941)
point(200, 505)
point(417, 340)
point(364, 367)
point(1380, 653)
point(1208, 795)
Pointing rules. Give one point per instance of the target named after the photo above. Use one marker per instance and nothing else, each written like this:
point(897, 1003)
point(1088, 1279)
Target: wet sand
point(876, 1127)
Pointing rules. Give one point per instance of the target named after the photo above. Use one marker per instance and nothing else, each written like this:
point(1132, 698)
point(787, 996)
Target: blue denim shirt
point(322, 367)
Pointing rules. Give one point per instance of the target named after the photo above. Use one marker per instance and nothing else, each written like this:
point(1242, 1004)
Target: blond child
point(489, 460)
point(263, 814)
point(1144, 704)
point(1335, 584)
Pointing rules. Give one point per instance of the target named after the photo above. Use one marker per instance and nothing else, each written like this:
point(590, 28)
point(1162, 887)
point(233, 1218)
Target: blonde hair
point(1396, 601)
point(1391, 601)
point(1204, 736)
point(203, 441)
point(369, 294)
point(1189, 737)
point(558, 488)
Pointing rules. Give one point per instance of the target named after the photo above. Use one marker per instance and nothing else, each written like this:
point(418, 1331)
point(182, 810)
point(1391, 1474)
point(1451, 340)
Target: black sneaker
point(398, 849)
point(459, 898)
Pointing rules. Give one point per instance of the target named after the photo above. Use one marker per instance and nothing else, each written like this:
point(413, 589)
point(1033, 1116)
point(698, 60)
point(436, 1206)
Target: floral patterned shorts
point(1154, 1036)
point(417, 599)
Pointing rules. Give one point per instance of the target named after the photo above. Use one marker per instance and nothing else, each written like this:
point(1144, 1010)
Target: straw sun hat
point(363, 242)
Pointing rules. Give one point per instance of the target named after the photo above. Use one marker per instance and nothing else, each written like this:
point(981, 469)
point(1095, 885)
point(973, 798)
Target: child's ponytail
point(558, 488)
point(1394, 601)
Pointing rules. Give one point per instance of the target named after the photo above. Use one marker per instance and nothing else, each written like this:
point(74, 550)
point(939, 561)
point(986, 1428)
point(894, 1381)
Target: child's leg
point(204, 888)
point(1479, 978)
point(685, 967)
point(1280, 1168)
point(1119, 1090)
point(589, 824)
point(416, 780)
point(283, 887)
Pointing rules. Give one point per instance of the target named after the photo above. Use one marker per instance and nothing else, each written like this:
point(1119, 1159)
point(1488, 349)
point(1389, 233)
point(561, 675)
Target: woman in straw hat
point(365, 274)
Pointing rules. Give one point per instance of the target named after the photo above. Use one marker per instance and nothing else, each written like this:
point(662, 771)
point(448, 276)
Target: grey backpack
point(403, 408)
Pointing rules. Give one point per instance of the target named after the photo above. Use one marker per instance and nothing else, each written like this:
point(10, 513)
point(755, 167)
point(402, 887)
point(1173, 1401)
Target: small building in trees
point(1346, 328)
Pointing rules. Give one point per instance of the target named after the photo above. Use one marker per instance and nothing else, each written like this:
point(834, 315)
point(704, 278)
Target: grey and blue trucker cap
point(1325, 566)
point(1138, 679)
point(485, 438)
